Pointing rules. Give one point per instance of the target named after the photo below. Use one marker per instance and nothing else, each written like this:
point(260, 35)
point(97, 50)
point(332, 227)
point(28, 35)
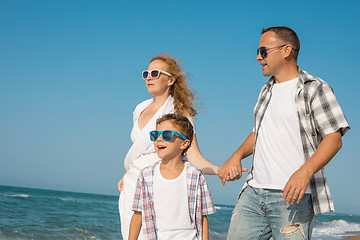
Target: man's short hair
point(287, 35)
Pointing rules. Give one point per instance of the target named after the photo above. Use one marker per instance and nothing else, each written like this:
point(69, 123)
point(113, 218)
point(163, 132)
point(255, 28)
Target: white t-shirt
point(279, 150)
point(172, 208)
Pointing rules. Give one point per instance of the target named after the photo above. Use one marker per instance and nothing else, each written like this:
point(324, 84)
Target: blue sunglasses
point(167, 135)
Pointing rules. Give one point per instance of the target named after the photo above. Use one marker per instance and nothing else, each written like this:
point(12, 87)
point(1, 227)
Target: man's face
point(273, 62)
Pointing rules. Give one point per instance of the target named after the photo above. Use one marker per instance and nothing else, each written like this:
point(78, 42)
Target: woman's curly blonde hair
point(183, 96)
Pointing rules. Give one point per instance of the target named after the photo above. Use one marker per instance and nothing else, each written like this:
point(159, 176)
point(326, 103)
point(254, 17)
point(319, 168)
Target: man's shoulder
point(311, 83)
point(310, 80)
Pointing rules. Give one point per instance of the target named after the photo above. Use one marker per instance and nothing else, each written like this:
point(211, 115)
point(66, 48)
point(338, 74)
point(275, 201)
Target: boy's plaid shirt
point(199, 199)
point(319, 114)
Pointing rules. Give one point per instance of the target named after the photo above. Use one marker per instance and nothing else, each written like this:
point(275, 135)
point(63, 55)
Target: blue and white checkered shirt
point(319, 114)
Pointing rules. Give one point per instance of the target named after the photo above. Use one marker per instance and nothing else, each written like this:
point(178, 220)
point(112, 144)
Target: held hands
point(296, 186)
point(231, 170)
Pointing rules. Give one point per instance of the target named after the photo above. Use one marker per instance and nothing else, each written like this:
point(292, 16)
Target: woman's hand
point(230, 170)
point(121, 184)
point(233, 174)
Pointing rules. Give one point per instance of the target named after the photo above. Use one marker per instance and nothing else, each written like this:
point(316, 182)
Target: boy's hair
point(182, 123)
point(286, 35)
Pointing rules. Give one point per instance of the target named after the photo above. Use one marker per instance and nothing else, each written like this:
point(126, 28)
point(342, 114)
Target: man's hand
point(296, 186)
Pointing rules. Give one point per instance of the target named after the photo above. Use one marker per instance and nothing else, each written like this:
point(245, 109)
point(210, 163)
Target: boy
point(172, 198)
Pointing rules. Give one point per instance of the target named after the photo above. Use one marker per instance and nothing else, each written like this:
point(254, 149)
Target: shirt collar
point(303, 79)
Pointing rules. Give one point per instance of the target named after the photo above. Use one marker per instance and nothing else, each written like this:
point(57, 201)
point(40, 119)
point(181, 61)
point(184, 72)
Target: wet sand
point(353, 238)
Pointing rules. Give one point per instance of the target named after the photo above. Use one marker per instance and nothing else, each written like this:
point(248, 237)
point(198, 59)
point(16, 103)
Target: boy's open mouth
point(161, 147)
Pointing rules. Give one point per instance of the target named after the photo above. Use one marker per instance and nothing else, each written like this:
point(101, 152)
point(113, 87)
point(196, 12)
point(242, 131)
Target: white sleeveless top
point(171, 207)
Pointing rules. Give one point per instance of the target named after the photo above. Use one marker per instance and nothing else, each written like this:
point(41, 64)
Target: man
point(297, 131)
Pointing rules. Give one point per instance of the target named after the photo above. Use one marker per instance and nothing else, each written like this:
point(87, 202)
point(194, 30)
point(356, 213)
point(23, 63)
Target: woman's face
point(161, 85)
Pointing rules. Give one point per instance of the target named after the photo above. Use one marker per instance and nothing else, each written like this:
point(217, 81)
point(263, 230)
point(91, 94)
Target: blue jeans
point(262, 214)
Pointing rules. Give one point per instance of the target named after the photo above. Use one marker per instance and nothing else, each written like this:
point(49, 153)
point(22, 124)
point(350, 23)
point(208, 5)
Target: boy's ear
point(185, 144)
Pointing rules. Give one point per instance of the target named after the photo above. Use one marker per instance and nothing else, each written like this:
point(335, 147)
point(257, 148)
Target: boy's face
point(169, 150)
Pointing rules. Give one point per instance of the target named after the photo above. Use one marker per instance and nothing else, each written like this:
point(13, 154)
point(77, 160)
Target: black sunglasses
point(264, 51)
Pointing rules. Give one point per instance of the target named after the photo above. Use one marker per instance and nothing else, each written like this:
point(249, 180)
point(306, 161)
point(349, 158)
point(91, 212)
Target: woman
point(166, 83)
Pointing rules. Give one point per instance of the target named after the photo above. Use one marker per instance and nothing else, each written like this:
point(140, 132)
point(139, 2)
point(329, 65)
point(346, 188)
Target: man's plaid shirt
point(199, 199)
point(319, 114)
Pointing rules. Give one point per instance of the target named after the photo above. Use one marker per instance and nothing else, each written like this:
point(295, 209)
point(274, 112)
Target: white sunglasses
point(154, 73)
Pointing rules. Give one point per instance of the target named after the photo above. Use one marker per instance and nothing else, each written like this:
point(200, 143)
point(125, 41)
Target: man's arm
point(135, 226)
point(245, 150)
point(297, 184)
point(205, 228)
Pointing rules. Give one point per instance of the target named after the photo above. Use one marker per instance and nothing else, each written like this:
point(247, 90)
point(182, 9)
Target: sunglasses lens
point(167, 135)
point(263, 52)
point(145, 74)
point(155, 73)
point(154, 135)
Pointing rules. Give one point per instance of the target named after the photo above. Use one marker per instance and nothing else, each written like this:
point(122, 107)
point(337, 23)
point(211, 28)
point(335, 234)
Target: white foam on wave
point(19, 196)
point(223, 208)
point(217, 236)
point(340, 228)
point(68, 199)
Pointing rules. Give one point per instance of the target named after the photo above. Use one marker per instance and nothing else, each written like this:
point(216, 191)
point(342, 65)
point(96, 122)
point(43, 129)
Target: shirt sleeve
point(138, 203)
point(206, 200)
point(328, 115)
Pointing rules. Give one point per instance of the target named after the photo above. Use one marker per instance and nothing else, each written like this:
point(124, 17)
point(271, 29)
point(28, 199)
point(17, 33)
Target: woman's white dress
point(140, 155)
point(127, 195)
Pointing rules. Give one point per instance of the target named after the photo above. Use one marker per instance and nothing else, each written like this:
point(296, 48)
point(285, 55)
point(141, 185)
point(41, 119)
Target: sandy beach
point(354, 237)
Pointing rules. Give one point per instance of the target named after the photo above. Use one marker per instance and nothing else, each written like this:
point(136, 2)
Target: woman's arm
point(196, 158)
point(245, 150)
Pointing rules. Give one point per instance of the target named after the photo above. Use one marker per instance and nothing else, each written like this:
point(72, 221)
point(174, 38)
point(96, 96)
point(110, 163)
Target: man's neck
point(287, 74)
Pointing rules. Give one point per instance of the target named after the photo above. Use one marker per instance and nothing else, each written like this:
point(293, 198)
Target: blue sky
point(70, 77)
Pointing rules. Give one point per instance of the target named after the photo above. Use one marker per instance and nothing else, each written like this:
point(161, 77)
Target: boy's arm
point(205, 228)
point(135, 226)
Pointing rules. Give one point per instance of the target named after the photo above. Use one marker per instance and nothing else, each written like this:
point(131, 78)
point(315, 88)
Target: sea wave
point(18, 196)
point(336, 229)
point(217, 236)
point(225, 208)
point(64, 199)
point(81, 231)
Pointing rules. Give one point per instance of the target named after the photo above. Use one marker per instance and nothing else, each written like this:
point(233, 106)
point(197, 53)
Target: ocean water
point(27, 213)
